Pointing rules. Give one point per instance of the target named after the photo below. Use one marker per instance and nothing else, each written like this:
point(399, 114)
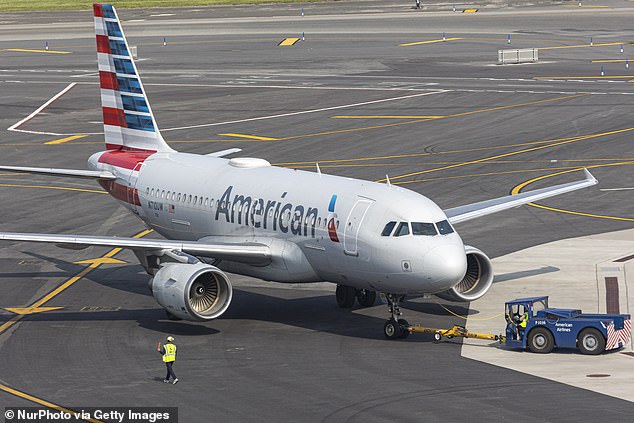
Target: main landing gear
point(394, 327)
point(346, 296)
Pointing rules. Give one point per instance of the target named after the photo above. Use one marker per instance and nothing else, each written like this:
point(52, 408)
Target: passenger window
point(387, 231)
point(206, 201)
point(179, 197)
point(402, 229)
point(419, 228)
point(444, 227)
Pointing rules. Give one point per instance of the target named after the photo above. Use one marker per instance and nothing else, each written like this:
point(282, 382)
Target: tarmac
point(567, 271)
point(371, 90)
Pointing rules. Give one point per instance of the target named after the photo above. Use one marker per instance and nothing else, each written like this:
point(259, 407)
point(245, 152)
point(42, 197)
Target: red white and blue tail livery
point(128, 121)
point(245, 216)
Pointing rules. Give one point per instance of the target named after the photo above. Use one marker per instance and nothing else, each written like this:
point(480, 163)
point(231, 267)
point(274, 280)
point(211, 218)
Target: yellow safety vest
point(523, 322)
point(170, 353)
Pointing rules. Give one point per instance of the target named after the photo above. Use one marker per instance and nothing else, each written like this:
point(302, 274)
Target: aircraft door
point(353, 224)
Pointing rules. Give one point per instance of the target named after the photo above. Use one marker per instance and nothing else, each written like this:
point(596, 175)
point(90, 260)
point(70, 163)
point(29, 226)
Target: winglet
point(483, 208)
point(589, 176)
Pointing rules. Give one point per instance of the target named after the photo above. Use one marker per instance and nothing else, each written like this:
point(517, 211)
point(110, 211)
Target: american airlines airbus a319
point(244, 216)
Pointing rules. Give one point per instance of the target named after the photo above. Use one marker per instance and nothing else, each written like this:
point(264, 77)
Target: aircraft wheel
point(437, 337)
point(392, 329)
point(541, 341)
point(345, 296)
point(403, 324)
point(366, 298)
point(591, 342)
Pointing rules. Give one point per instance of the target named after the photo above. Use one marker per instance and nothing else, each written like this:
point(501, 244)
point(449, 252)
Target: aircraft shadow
point(316, 313)
point(524, 274)
point(300, 308)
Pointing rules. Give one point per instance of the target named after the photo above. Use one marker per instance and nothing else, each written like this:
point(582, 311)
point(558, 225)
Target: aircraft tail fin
point(128, 120)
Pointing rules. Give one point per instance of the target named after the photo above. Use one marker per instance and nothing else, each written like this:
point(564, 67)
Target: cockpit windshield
point(402, 230)
point(419, 228)
point(444, 227)
point(387, 231)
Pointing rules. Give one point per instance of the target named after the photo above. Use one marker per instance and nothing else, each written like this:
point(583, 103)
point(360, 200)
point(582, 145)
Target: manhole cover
point(598, 375)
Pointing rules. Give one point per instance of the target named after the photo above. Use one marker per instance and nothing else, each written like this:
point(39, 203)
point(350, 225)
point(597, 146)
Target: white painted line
point(616, 189)
point(42, 107)
point(345, 106)
point(160, 14)
point(86, 74)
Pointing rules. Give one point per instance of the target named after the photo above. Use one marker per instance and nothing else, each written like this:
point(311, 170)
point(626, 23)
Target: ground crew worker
point(168, 351)
point(522, 325)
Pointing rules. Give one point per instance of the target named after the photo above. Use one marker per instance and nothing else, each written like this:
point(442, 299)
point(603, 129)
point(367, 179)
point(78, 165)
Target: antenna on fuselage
point(318, 169)
point(387, 180)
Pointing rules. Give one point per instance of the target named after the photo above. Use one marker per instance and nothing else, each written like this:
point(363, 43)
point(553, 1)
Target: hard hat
point(170, 339)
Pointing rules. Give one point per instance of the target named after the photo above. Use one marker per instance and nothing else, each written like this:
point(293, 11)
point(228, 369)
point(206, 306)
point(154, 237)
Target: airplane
point(242, 215)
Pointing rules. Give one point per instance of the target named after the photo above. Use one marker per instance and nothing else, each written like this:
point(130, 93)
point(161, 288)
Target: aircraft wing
point(256, 254)
point(76, 173)
point(482, 208)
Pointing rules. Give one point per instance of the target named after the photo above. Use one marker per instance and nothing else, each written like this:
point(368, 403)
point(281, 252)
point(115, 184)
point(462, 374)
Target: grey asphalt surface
point(283, 353)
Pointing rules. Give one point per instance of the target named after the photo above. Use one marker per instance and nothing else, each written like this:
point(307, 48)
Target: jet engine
point(194, 292)
point(476, 282)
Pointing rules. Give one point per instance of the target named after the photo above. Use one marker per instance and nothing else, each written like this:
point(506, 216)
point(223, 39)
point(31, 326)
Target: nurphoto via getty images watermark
point(92, 414)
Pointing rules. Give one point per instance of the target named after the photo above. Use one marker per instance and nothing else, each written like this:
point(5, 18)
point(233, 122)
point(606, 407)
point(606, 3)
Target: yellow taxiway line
point(410, 122)
point(610, 61)
point(26, 50)
point(583, 46)
point(63, 140)
point(386, 117)
point(513, 153)
point(92, 191)
point(93, 265)
point(416, 43)
point(518, 188)
point(585, 7)
point(249, 137)
point(41, 402)
point(541, 78)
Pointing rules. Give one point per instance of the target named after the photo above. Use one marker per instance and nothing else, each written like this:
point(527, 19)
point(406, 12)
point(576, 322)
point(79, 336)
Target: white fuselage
point(318, 227)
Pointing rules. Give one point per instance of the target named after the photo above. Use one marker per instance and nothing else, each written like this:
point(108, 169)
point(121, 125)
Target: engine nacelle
point(476, 282)
point(195, 292)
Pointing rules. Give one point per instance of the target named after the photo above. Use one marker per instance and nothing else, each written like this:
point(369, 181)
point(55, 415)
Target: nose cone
point(446, 265)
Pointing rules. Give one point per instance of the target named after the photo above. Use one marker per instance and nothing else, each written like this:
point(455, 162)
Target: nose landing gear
point(394, 327)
